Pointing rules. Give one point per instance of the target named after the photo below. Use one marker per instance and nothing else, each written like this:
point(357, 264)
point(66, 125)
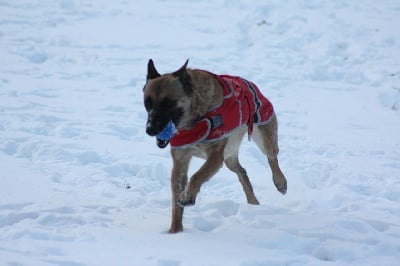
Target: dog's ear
point(152, 72)
point(184, 77)
point(181, 71)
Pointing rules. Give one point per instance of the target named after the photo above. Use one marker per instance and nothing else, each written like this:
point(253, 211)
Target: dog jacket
point(242, 105)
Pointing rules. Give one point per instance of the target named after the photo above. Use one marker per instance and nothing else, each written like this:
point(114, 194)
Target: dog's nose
point(150, 130)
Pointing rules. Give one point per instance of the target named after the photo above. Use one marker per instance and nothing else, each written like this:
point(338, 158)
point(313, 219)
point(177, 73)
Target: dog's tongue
point(166, 134)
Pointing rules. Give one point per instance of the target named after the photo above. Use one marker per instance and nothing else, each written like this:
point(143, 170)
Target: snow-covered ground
point(82, 184)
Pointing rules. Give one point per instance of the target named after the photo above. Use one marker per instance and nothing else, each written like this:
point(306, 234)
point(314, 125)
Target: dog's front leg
point(213, 163)
point(181, 159)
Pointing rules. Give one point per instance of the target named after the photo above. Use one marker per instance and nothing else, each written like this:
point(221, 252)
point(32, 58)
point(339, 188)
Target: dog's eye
point(167, 103)
point(148, 104)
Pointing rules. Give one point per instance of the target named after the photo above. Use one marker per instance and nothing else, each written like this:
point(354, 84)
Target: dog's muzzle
point(150, 129)
point(154, 127)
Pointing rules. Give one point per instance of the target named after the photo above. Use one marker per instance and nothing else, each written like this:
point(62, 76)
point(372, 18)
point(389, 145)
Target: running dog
point(209, 114)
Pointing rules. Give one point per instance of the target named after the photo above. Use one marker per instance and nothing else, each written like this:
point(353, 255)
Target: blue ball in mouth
point(166, 134)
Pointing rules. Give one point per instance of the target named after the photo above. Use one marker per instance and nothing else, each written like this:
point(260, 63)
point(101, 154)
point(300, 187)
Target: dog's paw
point(186, 199)
point(186, 203)
point(280, 183)
point(175, 229)
point(282, 189)
point(281, 186)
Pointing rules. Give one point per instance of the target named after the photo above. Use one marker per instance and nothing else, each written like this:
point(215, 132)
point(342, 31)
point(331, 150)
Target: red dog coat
point(243, 105)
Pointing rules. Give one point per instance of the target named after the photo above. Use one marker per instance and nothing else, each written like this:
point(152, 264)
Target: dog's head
point(166, 97)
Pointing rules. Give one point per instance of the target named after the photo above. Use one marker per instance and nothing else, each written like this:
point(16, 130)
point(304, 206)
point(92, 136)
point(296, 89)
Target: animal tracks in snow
point(13, 218)
point(26, 221)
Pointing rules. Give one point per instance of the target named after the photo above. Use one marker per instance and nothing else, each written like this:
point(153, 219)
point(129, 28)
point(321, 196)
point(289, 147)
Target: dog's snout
point(153, 127)
point(150, 130)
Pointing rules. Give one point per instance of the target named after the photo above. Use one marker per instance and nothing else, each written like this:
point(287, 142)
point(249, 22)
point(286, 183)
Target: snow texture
point(82, 184)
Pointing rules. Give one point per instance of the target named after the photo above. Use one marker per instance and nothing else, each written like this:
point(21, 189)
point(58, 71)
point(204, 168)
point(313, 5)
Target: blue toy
point(166, 134)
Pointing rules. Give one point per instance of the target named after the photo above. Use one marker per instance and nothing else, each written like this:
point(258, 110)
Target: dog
point(210, 114)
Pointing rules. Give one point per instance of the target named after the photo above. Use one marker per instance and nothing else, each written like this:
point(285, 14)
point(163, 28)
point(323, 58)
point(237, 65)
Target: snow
point(82, 184)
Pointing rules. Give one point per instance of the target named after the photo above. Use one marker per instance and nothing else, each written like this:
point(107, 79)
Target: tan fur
point(206, 93)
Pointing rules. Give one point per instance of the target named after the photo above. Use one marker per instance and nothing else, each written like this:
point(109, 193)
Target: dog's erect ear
point(184, 77)
point(152, 72)
point(182, 71)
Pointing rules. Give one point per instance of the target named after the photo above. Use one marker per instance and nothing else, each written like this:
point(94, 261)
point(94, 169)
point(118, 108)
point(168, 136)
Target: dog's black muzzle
point(151, 130)
point(154, 126)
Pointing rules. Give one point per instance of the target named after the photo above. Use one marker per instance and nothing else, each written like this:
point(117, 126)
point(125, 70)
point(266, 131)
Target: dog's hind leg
point(233, 164)
point(231, 160)
point(266, 138)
